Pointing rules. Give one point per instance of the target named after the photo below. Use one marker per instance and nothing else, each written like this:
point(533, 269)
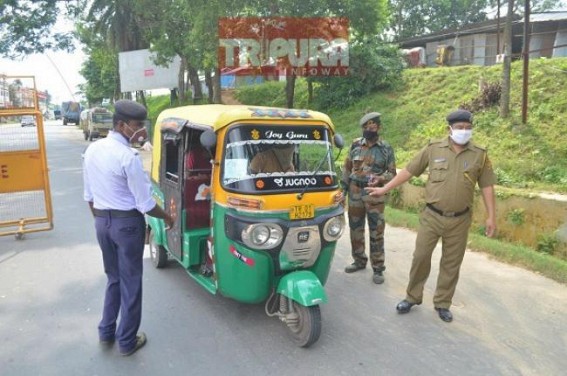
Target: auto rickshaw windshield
point(268, 159)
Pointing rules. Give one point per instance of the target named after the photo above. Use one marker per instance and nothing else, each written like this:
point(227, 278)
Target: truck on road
point(70, 111)
point(96, 122)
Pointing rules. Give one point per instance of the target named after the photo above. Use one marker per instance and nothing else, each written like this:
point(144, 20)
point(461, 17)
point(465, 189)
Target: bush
point(372, 67)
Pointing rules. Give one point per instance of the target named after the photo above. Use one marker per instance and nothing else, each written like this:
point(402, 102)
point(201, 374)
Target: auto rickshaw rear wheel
point(86, 135)
point(304, 324)
point(158, 254)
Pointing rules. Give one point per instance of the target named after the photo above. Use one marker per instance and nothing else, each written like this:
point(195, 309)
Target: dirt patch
point(227, 97)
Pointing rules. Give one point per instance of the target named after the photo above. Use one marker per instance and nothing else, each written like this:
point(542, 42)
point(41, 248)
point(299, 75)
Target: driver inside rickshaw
point(278, 158)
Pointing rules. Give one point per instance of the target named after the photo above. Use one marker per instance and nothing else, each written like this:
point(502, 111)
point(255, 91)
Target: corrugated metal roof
point(547, 16)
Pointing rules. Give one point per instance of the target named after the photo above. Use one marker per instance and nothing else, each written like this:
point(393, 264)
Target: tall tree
point(27, 27)
point(100, 69)
point(119, 25)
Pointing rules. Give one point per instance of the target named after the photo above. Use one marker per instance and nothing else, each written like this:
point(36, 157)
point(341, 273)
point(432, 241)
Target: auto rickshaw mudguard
point(157, 227)
point(302, 286)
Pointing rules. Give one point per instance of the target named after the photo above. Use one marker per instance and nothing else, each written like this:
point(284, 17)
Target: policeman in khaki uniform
point(370, 162)
point(456, 165)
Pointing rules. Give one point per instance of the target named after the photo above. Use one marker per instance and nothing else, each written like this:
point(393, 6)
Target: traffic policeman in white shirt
point(118, 192)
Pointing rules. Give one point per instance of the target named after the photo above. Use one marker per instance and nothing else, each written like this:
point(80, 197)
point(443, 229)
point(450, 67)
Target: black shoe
point(140, 342)
point(354, 267)
point(404, 306)
point(106, 343)
point(378, 277)
point(444, 314)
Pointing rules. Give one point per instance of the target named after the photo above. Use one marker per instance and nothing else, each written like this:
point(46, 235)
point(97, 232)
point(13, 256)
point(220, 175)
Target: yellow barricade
point(25, 197)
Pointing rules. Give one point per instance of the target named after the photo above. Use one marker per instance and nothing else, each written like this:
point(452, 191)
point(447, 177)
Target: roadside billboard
point(138, 72)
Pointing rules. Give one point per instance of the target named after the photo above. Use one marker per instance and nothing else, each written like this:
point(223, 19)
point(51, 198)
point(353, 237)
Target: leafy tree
point(373, 66)
point(100, 69)
point(26, 27)
point(413, 18)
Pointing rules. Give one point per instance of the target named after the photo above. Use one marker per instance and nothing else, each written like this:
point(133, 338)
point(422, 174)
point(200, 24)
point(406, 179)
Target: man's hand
point(376, 180)
point(490, 228)
point(169, 222)
point(376, 191)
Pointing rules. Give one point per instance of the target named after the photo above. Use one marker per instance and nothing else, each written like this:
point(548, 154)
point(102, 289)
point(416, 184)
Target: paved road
point(508, 321)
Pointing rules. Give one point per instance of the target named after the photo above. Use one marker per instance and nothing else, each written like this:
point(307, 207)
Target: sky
point(56, 72)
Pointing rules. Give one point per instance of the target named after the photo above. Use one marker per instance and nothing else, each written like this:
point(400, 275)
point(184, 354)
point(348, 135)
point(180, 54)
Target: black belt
point(116, 213)
point(447, 214)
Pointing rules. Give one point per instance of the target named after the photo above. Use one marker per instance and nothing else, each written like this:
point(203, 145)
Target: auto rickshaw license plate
point(302, 212)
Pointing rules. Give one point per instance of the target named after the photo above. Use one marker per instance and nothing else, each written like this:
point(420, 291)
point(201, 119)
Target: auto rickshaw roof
point(218, 116)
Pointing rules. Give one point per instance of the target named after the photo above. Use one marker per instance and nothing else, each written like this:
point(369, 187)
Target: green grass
point(532, 155)
point(525, 257)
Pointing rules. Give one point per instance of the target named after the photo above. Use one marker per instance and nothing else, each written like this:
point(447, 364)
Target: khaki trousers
point(453, 232)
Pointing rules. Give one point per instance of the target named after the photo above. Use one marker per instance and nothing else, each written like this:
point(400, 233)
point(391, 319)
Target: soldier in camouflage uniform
point(370, 162)
point(455, 165)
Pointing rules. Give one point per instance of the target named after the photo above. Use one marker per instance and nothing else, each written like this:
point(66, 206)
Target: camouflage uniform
point(363, 160)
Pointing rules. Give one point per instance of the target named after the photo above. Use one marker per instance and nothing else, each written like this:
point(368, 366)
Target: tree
point(100, 68)
point(373, 66)
point(413, 18)
point(27, 27)
point(366, 17)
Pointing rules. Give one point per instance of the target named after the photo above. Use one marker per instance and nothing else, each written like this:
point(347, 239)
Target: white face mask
point(139, 135)
point(461, 136)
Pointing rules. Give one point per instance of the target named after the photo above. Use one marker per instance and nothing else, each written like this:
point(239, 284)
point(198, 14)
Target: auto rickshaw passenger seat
point(197, 188)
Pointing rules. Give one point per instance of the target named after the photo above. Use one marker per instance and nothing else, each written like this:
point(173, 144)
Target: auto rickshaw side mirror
point(339, 141)
point(208, 139)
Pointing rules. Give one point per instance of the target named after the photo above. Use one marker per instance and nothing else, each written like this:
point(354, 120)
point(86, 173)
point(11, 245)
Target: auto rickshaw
point(252, 236)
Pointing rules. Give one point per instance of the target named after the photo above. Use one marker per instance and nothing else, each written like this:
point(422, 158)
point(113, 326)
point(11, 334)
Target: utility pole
point(498, 28)
point(505, 98)
point(526, 57)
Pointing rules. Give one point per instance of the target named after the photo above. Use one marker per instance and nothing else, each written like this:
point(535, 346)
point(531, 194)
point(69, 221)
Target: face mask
point(461, 136)
point(138, 136)
point(370, 135)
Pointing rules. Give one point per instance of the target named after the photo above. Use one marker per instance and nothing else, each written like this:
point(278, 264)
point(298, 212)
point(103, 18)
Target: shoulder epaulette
point(479, 147)
point(435, 141)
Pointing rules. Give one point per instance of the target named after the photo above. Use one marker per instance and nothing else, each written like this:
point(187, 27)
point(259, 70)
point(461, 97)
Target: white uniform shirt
point(114, 177)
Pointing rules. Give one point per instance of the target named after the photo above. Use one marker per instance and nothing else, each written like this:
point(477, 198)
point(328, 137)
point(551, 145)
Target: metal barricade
point(25, 196)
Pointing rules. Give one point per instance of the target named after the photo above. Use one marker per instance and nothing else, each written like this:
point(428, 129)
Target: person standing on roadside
point(455, 165)
point(118, 192)
point(370, 162)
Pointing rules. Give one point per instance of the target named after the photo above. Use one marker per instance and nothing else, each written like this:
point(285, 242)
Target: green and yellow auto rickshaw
point(253, 234)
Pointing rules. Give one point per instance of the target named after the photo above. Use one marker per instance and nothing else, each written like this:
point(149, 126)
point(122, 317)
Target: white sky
point(46, 67)
point(56, 72)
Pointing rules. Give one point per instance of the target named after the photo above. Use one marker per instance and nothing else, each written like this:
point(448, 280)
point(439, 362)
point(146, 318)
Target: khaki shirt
point(452, 177)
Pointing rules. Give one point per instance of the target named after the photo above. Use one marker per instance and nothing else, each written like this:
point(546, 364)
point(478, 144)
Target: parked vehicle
point(57, 114)
point(253, 237)
point(28, 120)
point(70, 111)
point(96, 122)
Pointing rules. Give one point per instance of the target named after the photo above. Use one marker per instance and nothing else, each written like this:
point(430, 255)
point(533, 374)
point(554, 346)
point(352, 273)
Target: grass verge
point(509, 253)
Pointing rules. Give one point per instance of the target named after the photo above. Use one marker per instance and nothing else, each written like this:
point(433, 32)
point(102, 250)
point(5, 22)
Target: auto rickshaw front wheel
point(304, 324)
point(158, 254)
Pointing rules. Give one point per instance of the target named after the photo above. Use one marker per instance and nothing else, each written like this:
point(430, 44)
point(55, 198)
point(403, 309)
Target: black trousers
point(122, 243)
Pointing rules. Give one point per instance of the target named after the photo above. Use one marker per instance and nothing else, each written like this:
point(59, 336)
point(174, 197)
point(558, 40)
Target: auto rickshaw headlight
point(334, 228)
point(262, 235)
